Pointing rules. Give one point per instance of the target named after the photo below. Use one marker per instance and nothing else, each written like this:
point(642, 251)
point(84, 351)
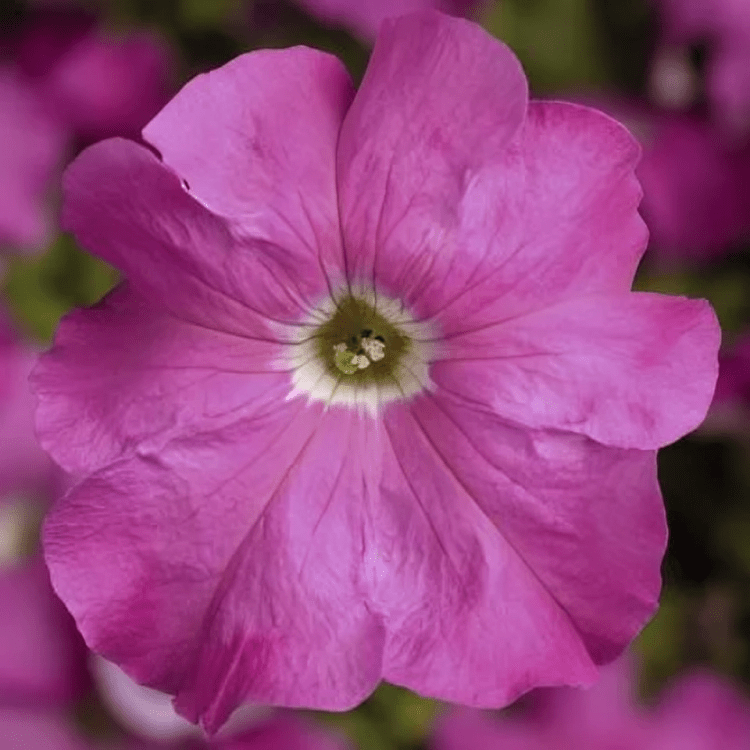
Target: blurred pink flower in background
point(376, 400)
point(65, 81)
point(695, 201)
point(25, 469)
point(32, 149)
point(730, 410)
point(365, 16)
point(42, 656)
point(724, 25)
point(699, 711)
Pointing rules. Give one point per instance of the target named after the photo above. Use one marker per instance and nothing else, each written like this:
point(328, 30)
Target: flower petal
point(289, 622)
point(256, 142)
point(528, 556)
point(252, 530)
point(441, 98)
point(453, 203)
point(128, 208)
point(630, 370)
point(125, 377)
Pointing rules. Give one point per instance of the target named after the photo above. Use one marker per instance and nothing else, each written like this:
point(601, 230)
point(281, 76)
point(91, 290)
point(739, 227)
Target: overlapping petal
point(471, 211)
point(252, 529)
point(528, 556)
point(164, 378)
point(407, 155)
point(133, 211)
point(630, 370)
point(256, 142)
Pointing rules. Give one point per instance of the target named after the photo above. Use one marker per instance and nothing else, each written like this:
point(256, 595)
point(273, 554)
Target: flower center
point(363, 350)
point(360, 343)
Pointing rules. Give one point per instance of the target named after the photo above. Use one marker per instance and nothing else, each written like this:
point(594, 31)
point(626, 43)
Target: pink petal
point(629, 370)
point(256, 142)
point(131, 210)
point(42, 657)
point(439, 101)
point(509, 558)
point(125, 377)
point(252, 532)
point(454, 205)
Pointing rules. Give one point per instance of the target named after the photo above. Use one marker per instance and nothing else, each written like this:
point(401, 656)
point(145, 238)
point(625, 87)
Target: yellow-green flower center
point(358, 343)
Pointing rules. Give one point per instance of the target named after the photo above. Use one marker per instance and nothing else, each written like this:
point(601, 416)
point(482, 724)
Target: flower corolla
point(375, 400)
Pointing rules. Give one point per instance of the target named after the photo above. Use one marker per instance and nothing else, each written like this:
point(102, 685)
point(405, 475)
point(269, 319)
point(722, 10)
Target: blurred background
point(675, 72)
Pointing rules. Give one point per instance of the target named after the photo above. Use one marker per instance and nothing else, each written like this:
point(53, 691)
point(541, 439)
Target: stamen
point(373, 348)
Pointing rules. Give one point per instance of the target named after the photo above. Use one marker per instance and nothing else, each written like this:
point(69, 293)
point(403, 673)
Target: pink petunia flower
point(700, 711)
point(730, 409)
point(375, 400)
point(25, 469)
point(97, 82)
point(32, 144)
point(42, 656)
point(725, 26)
point(694, 198)
point(64, 81)
point(365, 16)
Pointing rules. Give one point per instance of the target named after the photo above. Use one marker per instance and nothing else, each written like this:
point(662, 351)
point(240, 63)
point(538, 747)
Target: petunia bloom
point(32, 144)
point(699, 711)
point(42, 656)
point(64, 81)
point(730, 409)
point(694, 201)
point(725, 26)
point(25, 469)
point(365, 16)
point(375, 400)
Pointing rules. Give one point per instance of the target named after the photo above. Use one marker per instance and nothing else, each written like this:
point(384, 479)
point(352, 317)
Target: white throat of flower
point(359, 349)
